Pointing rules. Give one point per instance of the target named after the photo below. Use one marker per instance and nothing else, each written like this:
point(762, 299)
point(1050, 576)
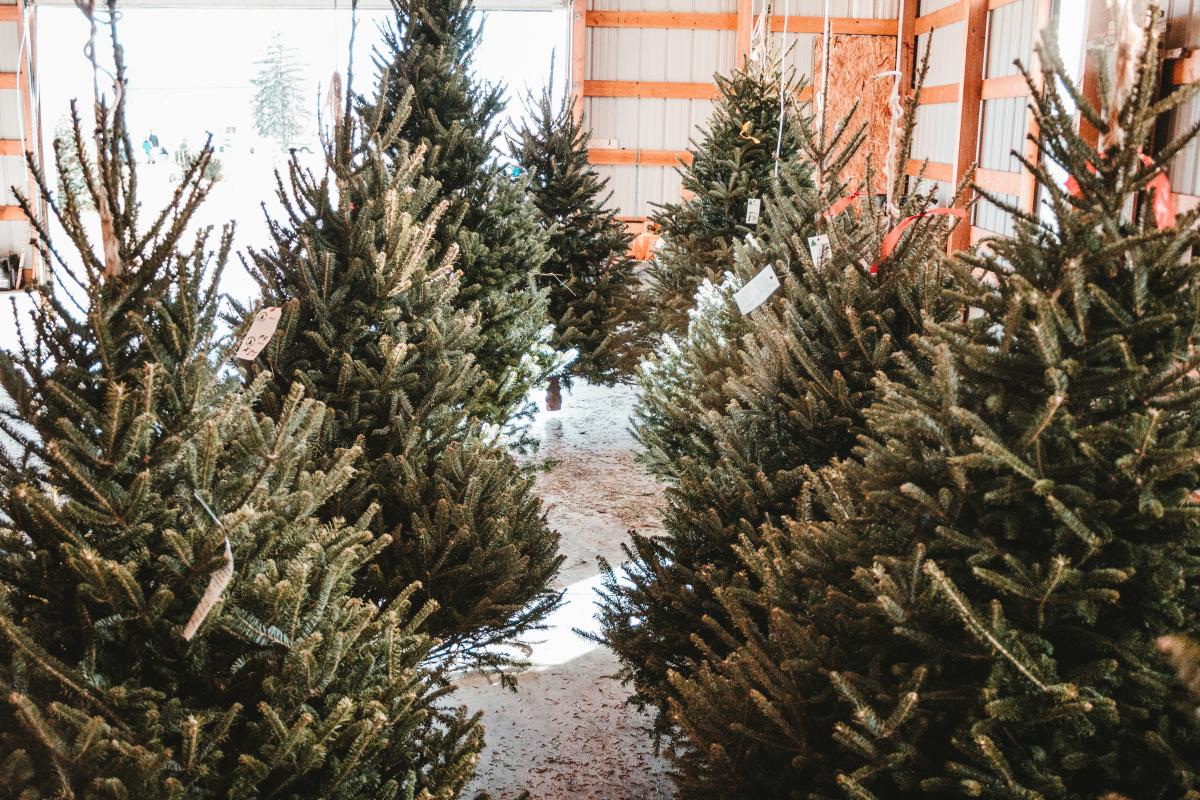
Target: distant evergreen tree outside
point(279, 103)
point(70, 182)
point(429, 48)
point(593, 294)
point(131, 472)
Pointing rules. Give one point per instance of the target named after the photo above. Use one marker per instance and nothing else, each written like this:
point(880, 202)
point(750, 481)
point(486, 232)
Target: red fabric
point(1160, 186)
point(842, 205)
point(893, 238)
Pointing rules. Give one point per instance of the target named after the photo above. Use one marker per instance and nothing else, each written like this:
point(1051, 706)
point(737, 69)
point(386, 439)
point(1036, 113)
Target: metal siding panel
point(929, 6)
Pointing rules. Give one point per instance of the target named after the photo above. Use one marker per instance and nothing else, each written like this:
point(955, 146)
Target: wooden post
point(970, 97)
point(1097, 28)
point(578, 55)
point(1032, 147)
point(907, 45)
point(745, 23)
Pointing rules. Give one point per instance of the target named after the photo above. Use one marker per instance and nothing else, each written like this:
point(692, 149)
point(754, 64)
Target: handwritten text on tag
point(753, 210)
point(818, 248)
point(261, 331)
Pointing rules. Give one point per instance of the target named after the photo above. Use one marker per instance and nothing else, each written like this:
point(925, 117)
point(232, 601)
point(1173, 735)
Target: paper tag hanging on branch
point(893, 237)
point(216, 582)
point(753, 210)
point(261, 330)
point(755, 293)
point(818, 248)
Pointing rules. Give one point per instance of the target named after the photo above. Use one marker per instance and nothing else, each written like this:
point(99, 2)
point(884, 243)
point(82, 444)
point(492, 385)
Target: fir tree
point(733, 163)
point(370, 327)
point(428, 49)
point(69, 163)
point(279, 113)
point(788, 395)
point(589, 276)
point(132, 473)
point(972, 605)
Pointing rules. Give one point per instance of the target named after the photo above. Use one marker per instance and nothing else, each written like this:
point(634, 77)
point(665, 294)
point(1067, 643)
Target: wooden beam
point(645, 158)
point(1008, 86)
point(907, 52)
point(1185, 202)
point(994, 180)
point(10, 13)
point(578, 55)
point(934, 170)
point(1097, 30)
point(8, 80)
point(979, 234)
point(745, 24)
point(1183, 70)
point(662, 20)
point(851, 25)
point(970, 100)
point(679, 20)
point(12, 214)
point(994, 4)
point(12, 147)
point(657, 89)
point(949, 15)
point(937, 95)
point(1029, 184)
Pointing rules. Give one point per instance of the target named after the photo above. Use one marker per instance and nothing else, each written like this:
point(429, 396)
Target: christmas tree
point(67, 153)
point(369, 327)
point(589, 276)
point(174, 619)
point(428, 49)
point(974, 605)
point(279, 101)
point(731, 168)
point(787, 396)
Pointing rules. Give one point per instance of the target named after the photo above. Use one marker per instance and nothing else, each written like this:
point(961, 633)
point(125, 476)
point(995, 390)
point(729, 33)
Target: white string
point(787, 9)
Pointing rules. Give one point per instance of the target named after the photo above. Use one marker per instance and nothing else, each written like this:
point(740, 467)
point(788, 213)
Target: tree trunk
point(554, 395)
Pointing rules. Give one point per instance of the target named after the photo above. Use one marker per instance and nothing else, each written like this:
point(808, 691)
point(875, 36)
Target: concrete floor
point(566, 732)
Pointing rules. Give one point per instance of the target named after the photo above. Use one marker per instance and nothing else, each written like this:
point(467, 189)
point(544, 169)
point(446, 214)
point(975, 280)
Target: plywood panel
point(854, 62)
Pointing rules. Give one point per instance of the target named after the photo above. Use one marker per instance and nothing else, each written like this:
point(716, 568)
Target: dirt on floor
point(566, 732)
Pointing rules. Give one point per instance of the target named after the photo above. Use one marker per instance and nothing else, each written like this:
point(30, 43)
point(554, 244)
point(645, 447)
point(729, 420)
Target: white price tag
point(754, 293)
point(753, 210)
point(261, 331)
point(818, 248)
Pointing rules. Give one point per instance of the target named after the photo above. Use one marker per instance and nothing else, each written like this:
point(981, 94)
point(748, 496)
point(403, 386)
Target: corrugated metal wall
point(693, 56)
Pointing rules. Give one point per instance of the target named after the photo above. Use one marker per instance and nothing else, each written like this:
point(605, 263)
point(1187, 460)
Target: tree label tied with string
point(753, 210)
point(756, 292)
point(261, 330)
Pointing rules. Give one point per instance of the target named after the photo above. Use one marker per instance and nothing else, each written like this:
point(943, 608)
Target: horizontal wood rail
point(949, 15)
point(994, 4)
point(666, 20)
point(942, 93)
point(852, 25)
point(645, 158)
point(978, 234)
point(673, 20)
point(8, 80)
point(934, 170)
point(11, 147)
point(1185, 202)
point(12, 214)
point(1000, 182)
point(1182, 70)
point(656, 89)
point(1008, 86)
point(10, 13)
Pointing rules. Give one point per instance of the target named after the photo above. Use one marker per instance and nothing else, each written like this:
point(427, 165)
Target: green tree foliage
point(593, 296)
point(428, 49)
point(784, 395)
point(971, 606)
point(733, 163)
point(279, 102)
point(131, 473)
point(370, 327)
point(69, 162)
